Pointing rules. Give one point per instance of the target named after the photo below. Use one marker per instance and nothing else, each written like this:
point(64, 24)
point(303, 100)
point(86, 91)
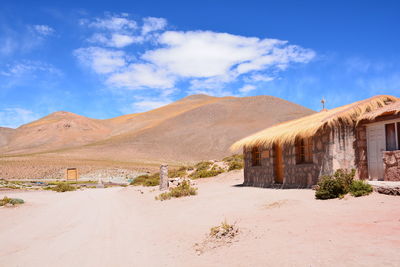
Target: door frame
point(278, 164)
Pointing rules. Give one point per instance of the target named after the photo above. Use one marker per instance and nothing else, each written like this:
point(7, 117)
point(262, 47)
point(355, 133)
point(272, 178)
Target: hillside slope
point(194, 128)
point(5, 135)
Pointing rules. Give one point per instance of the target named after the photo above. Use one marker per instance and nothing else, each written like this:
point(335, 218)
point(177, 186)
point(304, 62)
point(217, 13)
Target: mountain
point(5, 134)
point(194, 128)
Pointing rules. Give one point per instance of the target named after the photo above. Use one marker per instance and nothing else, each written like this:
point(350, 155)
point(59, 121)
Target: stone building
point(296, 153)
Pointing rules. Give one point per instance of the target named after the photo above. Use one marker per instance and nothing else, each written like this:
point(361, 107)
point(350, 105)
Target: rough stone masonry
point(163, 177)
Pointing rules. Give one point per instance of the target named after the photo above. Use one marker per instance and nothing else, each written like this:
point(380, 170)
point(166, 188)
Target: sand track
point(122, 227)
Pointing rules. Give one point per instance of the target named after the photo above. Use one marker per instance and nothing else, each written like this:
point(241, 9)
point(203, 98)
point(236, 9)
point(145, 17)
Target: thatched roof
point(393, 108)
point(287, 132)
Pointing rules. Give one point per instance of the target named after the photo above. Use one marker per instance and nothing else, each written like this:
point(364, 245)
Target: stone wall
point(332, 149)
point(391, 160)
point(361, 152)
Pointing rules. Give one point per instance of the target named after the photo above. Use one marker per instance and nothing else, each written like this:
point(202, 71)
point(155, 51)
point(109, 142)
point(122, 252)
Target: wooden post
point(164, 177)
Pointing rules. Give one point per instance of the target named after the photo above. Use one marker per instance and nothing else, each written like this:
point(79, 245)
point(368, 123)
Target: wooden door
point(375, 147)
point(278, 164)
point(72, 174)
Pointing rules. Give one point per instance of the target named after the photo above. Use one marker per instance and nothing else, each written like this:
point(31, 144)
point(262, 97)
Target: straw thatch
point(393, 108)
point(288, 132)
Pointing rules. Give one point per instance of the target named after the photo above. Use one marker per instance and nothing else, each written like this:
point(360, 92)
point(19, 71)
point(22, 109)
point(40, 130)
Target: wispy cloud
point(100, 60)
point(247, 88)
point(23, 39)
point(14, 117)
point(119, 30)
point(28, 67)
point(43, 30)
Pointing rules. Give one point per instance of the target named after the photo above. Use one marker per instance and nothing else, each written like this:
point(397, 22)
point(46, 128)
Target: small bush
point(235, 165)
point(182, 190)
point(235, 162)
point(147, 180)
point(224, 230)
point(13, 201)
point(203, 165)
point(345, 178)
point(236, 157)
point(206, 173)
point(333, 186)
point(329, 187)
point(63, 187)
point(360, 188)
point(181, 172)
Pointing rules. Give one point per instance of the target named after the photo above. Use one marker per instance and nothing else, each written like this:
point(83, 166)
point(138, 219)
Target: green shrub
point(13, 201)
point(333, 186)
point(203, 165)
point(206, 173)
point(184, 189)
point(360, 188)
point(147, 180)
point(181, 172)
point(235, 165)
point(62, 187)
point(236, 157)
point(345, 178)
point(235, 162)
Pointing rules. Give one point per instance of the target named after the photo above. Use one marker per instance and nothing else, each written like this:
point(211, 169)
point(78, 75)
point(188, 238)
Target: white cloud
point(204, 54)
point(259, 78)
point(137, 76)
point(102, 61)
point(113, 23)
point(151, 24)
point(247, 88)
point(27, 67)
point(14, 117)
point(206, 60)
point(148, 105)
point(43, 30)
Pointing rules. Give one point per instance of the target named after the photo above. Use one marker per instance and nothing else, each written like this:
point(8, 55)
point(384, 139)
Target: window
point(256, 156)
point(304, 148)
point(392, 135)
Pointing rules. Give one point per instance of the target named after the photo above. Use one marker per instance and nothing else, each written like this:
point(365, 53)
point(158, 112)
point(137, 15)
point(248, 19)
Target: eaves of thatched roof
point(393, 108)
point(288, 132)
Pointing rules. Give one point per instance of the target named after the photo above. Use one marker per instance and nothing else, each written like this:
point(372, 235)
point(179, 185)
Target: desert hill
point(5, 134)
point(57, 130)
point(197, 127)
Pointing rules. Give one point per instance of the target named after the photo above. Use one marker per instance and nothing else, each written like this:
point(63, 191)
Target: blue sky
point(105, 59)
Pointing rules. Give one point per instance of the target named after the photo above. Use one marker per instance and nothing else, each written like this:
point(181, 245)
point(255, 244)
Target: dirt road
point(123, 227)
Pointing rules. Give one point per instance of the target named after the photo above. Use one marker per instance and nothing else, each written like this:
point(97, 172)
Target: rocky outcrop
point(391, 160)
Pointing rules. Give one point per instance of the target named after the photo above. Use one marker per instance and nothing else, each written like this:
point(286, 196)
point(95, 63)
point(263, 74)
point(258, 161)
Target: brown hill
point(5, 134)
point(194, 128)
point(55, 131)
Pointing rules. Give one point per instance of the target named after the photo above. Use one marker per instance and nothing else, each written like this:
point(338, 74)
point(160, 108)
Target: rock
point(395, 191)
point(164, 177)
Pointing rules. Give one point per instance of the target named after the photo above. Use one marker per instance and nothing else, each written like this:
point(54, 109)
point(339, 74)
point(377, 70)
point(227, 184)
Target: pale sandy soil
point(122, 227)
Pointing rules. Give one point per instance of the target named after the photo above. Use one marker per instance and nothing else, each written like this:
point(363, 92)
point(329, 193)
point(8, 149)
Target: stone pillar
point(164, 177)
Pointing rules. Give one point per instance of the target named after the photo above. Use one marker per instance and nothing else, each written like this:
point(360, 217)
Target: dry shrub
point(12, 201)
point(182, 190)
point(62, 187)
point(147, 180)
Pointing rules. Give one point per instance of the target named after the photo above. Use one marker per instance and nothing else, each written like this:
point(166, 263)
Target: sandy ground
point(123, 227)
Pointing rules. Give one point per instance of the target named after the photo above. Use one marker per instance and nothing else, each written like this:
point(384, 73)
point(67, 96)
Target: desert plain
point(126, 226)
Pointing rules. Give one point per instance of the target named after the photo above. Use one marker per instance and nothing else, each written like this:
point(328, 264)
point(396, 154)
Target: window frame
point(396, 135)
point(255, 156)
point(304, 151)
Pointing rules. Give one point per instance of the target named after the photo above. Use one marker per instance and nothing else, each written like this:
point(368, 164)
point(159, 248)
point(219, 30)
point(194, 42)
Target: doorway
point(278, 164)
point(375, 147)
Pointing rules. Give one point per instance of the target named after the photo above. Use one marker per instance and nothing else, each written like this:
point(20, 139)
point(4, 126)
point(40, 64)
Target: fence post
point(164, 177)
